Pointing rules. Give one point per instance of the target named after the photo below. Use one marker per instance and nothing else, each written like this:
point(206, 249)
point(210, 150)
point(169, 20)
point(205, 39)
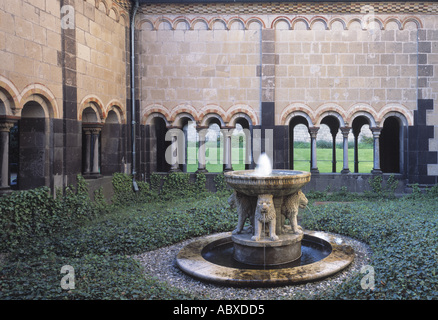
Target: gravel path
point(161, 264)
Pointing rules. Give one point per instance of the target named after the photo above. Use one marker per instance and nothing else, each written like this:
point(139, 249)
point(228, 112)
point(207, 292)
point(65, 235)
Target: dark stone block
point(424, 47)
point(268, 114)
point(425, 70)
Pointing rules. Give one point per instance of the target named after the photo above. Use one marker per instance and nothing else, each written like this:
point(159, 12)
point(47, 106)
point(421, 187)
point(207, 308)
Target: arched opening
point(91, 143)
point(390, 142)
point(190, 155)
point(158, 145)
point(299, 137)
point(214, 146)
point(363, 145)
point(8, 139)
point(111, 144)
point(329, 144)
point(33, 153)
point(241, 145)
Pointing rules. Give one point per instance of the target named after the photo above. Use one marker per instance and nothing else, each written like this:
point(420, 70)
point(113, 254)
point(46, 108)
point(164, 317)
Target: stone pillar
point(345, 131)
point(95, 132)
point(92, 133)
point(356, 133)
point(87, 151)
point(202, 132)
point(313, 131)
point(5, 127)
point(376, 135)
point(227, 149)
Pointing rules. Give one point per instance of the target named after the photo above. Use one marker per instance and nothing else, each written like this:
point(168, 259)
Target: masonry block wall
point(59, 58)
point(277, 61)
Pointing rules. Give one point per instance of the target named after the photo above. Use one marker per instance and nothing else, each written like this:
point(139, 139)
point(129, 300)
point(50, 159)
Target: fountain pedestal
point(267, 201)
point(266, 252)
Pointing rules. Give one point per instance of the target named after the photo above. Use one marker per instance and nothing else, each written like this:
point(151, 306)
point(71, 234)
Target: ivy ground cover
point(400, 232)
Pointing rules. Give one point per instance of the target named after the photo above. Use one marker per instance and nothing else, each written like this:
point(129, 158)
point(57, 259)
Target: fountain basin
point(279, 183)
point(335, 256)
point(267, 252)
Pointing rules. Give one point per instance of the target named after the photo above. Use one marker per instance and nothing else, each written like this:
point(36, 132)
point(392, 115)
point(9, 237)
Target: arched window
point(111, 145)
point(158, 145)
point(241, 145)
point(91, 143)
point(329, 144)
point(390, 143)
point(214, 147)
point(299, 140)
point(363, 145)
point(33, 169)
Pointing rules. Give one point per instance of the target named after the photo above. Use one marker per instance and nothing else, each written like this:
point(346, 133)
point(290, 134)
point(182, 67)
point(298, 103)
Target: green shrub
point(27, 215)
point(124, 193)
point(402, 237)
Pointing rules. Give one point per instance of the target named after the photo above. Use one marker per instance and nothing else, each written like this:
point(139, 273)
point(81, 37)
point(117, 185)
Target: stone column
point(227, 149)
point(345, 131)
point(356, 133)
point(202, 132)
point(87, 132)
point(95, 132)
point(92, 133)
point(376, 135)
point(313, 131)
point(5, 127)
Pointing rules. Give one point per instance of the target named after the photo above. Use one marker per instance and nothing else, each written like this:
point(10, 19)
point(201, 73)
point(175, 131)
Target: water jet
point(269, 252)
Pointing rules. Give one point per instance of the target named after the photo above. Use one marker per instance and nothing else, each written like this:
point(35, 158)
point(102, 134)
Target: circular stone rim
point(191, 262)
point(246, 175)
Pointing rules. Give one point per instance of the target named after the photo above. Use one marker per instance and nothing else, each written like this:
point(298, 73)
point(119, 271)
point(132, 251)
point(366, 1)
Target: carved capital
point(6, 126)
point(92, 129)
point(313, 131)
point(376, 131)
point(345, 131)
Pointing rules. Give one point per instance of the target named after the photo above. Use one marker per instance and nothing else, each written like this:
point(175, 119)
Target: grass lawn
point(301, 156)
point(401, 233)
point(324, 159)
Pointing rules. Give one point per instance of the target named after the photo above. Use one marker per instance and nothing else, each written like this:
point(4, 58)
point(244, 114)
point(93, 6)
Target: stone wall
point(59, 57)
point(275, 61)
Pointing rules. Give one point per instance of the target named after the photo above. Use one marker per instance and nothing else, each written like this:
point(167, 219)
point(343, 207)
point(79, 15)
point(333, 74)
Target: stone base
point(267, 252)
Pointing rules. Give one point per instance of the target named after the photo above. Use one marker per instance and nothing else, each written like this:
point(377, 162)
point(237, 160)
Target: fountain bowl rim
point(191, 262)
point(276, 175)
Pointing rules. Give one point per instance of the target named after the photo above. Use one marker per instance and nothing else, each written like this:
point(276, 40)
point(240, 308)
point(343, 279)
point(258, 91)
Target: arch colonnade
point(387, 126)
point(32, 138)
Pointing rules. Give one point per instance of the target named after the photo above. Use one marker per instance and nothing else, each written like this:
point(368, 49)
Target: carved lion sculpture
point(265, 214)
point(245, 206)
point(290, 207)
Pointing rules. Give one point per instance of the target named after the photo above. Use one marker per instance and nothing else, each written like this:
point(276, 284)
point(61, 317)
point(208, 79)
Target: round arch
point(96, 105)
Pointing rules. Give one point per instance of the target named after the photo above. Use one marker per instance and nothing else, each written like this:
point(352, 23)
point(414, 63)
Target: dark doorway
point(32, 147)
point(390, 146)
point(160, 130)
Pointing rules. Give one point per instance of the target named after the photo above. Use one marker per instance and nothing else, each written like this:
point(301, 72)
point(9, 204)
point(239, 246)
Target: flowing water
point(264, 166)
point(313, 217)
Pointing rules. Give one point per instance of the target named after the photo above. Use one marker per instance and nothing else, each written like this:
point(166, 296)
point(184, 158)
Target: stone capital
point(313, 131)
point(376, 131)
point(92, 128)
point(5, 126)
point(345, 131)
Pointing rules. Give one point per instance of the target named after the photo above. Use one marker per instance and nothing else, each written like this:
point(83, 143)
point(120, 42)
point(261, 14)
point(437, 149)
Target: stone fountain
point(267, 198)
point(269, 250)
